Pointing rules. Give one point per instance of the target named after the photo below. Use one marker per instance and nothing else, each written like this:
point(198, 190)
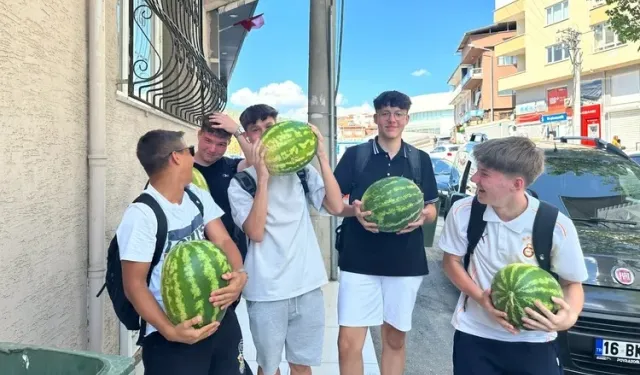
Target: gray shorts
point(295, 324)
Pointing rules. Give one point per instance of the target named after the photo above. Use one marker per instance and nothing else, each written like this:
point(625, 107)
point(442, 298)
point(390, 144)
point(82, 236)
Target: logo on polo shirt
point(528, 251)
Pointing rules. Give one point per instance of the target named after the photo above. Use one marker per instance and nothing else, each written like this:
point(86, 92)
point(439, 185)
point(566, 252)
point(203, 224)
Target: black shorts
point(219, 354)
point(473, 355)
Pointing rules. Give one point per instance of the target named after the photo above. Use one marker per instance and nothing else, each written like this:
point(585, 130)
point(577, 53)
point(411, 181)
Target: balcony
point(511, 12)
point(511, 47)
point(473, 114)
point(598, 15)
point(472, 79)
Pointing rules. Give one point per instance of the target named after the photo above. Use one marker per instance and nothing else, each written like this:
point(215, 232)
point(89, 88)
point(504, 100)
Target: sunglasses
point(192, 150)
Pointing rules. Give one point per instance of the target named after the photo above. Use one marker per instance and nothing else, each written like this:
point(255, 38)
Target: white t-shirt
point(504, 243)
point(288, 262)
point(137, 230)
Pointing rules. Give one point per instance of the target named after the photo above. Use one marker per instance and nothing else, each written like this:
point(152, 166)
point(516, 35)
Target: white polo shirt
point(288, 262)
point(504, 243)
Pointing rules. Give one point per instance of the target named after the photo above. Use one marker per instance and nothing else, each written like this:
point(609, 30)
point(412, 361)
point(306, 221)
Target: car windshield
point(438, 149)
point(440, 166)
point(593, 188)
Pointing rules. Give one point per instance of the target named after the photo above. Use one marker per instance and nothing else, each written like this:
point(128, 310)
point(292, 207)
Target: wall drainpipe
point(97, 170)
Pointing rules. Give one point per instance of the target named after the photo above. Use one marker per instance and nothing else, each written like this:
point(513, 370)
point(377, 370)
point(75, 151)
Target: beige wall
point(43, 204)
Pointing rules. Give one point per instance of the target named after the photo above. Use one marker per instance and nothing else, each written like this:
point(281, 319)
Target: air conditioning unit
point(567, 102)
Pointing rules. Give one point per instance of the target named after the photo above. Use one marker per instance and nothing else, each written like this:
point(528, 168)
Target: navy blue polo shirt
point(383, 254)
point(218, 176)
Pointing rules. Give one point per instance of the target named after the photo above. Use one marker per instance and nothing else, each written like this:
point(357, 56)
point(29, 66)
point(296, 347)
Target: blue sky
point(384, 43)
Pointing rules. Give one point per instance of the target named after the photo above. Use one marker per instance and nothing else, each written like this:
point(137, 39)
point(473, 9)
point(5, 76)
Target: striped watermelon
point(198, 180)
point(191, 271)
point(290, 146)
point(394, 202)
point(519, 285)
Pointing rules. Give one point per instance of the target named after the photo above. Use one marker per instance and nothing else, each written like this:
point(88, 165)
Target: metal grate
point(167, 67)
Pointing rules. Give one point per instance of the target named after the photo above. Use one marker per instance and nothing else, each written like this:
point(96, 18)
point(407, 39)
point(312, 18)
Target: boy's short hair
point(155, 147)
point(255, 113)
point(513, 156)
point(220, 133)
point(392, 99)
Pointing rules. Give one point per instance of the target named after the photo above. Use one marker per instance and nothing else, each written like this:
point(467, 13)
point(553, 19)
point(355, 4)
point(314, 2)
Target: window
point(558, 12)
point(146, 52)
point(557, 52)
point(507, 60)
point(166, 68)
point(604, 37)
point(506, 93)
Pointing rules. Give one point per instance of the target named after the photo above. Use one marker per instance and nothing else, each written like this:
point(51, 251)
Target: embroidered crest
point(528, 251)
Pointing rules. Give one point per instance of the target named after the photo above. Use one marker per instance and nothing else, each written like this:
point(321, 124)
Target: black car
point(598, 187)
point(442, 170)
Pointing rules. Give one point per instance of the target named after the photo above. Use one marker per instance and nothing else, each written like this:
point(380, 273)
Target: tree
point(624, 16)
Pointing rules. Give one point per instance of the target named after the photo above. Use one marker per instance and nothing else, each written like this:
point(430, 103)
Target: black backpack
point(363, 153)
point(123, 308)
point(542, 233)
point(248, 183)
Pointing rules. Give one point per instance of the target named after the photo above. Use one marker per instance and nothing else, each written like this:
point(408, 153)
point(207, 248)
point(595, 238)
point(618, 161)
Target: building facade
point(476, 97)
point(79, 88)
point(544, 84)
point(431, 114)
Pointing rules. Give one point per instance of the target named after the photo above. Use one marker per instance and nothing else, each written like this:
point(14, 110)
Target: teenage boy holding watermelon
point(170, 349)
point(485, 343)
point(380, 273)
point(286, 272)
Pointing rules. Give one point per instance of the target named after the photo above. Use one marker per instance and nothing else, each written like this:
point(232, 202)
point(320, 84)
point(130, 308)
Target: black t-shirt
point(218, 176)
point(384, 254)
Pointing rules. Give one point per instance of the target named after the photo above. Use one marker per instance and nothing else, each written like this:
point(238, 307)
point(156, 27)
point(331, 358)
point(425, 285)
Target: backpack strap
point(161, 237)
point(475, 229)
point(414, 161)
point(543, 227)
point(302, 175)
point(363, 152)
point(194, 198)
point(247, 183)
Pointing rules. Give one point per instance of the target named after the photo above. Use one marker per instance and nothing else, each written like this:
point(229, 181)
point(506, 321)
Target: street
point(429, 343)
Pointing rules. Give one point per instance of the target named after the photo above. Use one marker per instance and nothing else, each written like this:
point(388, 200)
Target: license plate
point(619, 351)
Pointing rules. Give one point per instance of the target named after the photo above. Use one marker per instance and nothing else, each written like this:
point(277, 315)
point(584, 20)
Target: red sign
point(590, 122)
point(555, 99)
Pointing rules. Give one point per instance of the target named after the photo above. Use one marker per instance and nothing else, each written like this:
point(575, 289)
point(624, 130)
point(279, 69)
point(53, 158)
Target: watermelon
point(290, 146)
point(191, 271)
point(394, 202)
point(198, 180)
point(519, 285)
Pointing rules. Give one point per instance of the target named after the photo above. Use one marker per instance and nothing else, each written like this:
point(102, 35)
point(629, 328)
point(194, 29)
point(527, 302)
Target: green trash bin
point(429, 229)
point(17, 359)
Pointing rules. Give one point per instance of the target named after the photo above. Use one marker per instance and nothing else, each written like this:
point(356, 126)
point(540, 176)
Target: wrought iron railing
point(170, 73)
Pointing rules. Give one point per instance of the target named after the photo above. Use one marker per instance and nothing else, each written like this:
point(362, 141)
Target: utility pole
point(571, 38)
point(320, 104)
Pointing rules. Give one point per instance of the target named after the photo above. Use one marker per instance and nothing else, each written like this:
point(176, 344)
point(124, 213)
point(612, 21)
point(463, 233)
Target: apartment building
point(543, 82)
point(79, 87)
point(476, 97)
point(431, 114)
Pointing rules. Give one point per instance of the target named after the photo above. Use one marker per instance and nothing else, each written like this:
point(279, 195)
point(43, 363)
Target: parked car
point(444, 151)
point(441, 169)
point(635, 156)
point(598, 187)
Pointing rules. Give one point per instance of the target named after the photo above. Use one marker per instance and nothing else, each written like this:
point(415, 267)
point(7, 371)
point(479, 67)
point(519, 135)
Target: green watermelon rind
point(191, 271)
point(394, 202)
point(199, 180)
point(531, 283)
point(290, 146)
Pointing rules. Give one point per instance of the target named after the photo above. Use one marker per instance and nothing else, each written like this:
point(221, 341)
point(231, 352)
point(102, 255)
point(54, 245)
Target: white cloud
point(285, 94)
point(290, 100)
point(420, 73)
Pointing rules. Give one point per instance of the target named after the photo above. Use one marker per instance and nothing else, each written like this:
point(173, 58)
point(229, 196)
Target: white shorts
point(366, 300)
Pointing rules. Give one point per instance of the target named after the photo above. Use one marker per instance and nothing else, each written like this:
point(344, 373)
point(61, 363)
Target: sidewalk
point(329, 364)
